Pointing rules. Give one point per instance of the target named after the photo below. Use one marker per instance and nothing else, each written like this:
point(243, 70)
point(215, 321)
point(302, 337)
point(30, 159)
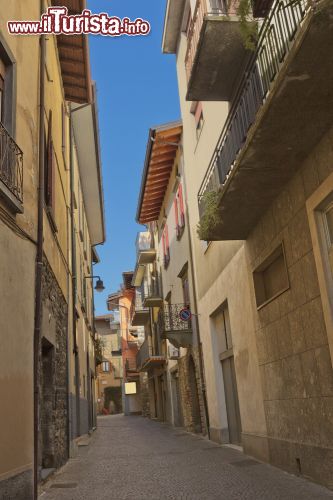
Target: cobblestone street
point(135, 458)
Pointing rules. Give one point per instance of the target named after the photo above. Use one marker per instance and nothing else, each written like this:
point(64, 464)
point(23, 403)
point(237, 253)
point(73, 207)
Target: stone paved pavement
point(134, 458)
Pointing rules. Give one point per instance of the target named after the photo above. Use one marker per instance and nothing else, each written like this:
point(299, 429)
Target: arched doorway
point(195, 406)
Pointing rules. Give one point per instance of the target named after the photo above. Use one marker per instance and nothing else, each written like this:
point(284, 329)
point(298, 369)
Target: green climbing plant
point(247, 25)
point(211, 217)
point(99, 348)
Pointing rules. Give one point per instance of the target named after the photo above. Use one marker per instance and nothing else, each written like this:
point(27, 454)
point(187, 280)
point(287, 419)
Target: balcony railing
point(144, 353)
point(152, 295)
point(204, 8)
point(143, 241)
point(144, 251)
point(11, 164)
point(131, 365)
point(170, 321)
point(139, 312)
point(274, 43)
point(146, 359)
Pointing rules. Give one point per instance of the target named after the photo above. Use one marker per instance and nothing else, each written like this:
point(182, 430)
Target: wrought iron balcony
point(144, 251)
point(152, 296)
point(11, 170)
point(172, 327)
point(215, 51)
point(145, 358)
point(273, 124)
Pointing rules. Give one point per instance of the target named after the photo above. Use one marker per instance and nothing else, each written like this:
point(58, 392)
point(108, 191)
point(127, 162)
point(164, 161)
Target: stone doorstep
point(45, 474)
point(83, 440)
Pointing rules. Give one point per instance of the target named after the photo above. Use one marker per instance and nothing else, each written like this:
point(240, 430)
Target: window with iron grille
point(11, 156)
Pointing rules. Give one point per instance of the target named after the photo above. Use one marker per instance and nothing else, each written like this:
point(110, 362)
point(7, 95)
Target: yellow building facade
point(46, 328)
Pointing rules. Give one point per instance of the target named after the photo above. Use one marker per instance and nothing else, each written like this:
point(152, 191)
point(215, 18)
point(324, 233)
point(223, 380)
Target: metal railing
point(11, 164)
point(152, 289)
point(169, 319)
point(274, 43)
point(144, 353)
point(139, 298)
point(131, 365)
point(202, 9)
point(143, 241)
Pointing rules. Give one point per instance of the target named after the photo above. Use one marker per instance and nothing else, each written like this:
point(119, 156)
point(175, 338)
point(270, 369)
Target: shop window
point(271, 277)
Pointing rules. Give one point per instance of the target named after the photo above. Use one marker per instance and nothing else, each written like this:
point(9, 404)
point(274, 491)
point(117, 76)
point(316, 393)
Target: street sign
point(185, 314)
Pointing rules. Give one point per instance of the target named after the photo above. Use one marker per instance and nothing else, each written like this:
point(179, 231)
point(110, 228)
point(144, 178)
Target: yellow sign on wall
point(130, 388)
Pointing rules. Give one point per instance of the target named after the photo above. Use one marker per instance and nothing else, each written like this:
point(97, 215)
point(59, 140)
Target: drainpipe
point(39, 262)
point(202, 371)
point(74, 278)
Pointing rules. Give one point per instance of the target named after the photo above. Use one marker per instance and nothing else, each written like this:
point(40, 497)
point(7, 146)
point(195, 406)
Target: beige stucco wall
point(221, 274)
point(293, 331)
point(17, 263)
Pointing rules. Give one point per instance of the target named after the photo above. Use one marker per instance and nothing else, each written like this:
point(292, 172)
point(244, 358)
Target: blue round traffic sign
point(185, 314)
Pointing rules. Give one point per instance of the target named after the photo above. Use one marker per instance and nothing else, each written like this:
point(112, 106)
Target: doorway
point(47, 406)
point(176, 402)
point(226, 355)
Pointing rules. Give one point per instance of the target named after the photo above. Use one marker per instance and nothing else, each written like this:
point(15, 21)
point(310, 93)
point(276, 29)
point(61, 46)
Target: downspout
point(39, 261)
point(69, 274)
point(74, 278)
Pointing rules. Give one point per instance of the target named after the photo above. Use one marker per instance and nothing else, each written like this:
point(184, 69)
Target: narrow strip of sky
point(137, 88)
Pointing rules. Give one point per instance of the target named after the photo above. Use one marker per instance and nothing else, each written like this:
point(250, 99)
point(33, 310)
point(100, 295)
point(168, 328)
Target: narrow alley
point(136, 458)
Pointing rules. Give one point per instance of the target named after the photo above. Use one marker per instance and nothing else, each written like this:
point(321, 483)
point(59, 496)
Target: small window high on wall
point(271, 277)
point(166, 247)
point(179, 212)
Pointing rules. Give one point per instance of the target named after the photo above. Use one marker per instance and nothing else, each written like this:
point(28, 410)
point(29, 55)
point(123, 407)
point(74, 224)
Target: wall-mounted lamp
point(99, 283)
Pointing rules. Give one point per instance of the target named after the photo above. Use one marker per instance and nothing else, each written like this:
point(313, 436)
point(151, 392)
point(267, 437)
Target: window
point(49, 193)
point(165, 244)
point(197, 111)
point(7, 88)
point(63, 127)
point(328, 228)
point(179, 212)
point(271, 277)
point(2, 95)
point(186, 289)
point(199, 125)
point(106, 366)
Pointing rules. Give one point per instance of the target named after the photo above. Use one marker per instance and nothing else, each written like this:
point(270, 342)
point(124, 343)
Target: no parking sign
point(185, 315)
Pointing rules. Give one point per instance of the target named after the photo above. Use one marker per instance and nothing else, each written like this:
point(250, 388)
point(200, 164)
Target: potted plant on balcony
point(211, 218)
point(247, 24)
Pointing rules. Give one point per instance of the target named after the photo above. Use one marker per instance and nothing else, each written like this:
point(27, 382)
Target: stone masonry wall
point(292, 343)
point(55, 307)
point(186, 398)
point(144, 394)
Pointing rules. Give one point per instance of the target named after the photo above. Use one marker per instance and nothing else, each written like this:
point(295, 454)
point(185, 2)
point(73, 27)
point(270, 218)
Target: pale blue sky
point(137, 88)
